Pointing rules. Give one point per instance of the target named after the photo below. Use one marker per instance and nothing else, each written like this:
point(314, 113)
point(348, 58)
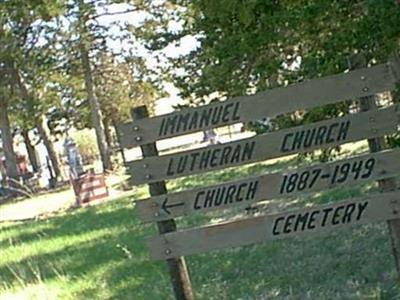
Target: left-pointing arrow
point(166, 207)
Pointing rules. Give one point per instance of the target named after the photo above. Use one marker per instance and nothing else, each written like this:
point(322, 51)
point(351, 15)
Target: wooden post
point(378, 144)
point(375, 145)
point(177, 266)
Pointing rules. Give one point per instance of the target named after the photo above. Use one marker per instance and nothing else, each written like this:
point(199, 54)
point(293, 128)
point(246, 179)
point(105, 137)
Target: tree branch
point(116, 13)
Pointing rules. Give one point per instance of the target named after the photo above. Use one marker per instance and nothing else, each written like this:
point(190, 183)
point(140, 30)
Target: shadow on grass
point(71, 223)
point(347, 264)
point(4, 200)
point(117, 259)
point(91, 263)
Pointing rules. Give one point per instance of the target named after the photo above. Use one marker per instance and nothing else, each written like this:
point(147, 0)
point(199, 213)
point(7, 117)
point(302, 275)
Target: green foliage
point(41, 42)
point(394, 140)
point(121, 88)
point(250, 46)
point(28, 29)
point(85, 140)
point(246, 44)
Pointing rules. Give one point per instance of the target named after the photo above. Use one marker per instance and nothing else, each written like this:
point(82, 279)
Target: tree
point(8, 44)
point(16, 18)
point(88, 42)
point(121, 88)
point(30, 149)
point(40, 121)
point(6, 136)
point(249, 46)
point(246, 47)
point(84, 47)
point(24, 24)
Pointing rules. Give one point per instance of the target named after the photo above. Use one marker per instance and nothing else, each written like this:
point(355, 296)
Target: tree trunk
point(8, 147)
point(89, 85)
point(31, 150)
point(119, 142)
point(109, 139)
point(44, 135)
point(107, 132)
point(40, 125)
point(95, 110)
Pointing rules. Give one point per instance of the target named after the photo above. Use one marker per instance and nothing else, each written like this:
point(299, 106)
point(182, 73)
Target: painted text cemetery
point(371, 123)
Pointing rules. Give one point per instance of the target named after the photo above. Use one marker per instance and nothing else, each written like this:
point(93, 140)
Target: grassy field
point(99, 252)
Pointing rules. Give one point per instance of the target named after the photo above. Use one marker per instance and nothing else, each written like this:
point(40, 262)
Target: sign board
point(270, 103)
point(244, 192)
point(309, 221)
point(172, 245)
point(280, 143)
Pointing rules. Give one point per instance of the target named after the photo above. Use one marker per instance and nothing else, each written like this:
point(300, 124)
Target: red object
point(90, 187)
point(22, 163)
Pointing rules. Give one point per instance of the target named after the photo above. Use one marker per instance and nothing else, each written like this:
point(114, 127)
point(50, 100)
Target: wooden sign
point(244, 192)
point(171, 245)
point(280, 143)
point(270, 103)
point(318, 219)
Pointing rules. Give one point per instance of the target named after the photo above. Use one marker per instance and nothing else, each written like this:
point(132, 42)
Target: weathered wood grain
point(298, 139)
point(304, 95)
point(304, 222)
point(241, 193)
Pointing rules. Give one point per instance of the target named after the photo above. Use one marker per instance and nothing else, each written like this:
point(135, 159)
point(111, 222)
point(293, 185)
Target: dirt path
point(34, 207)
point(46, 204)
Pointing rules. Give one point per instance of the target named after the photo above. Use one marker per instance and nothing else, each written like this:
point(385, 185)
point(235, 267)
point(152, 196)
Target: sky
point(186, 45)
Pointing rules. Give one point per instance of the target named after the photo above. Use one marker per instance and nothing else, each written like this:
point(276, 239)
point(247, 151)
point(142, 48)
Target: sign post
point(387, 184)
point(379, 165)
point(378, 143)
point(177, 265)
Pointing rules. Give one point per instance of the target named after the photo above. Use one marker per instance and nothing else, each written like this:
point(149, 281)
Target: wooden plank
point(270, 103)
point(309, 221)
point(280, 143)
point(241, 193)
point(127, 135)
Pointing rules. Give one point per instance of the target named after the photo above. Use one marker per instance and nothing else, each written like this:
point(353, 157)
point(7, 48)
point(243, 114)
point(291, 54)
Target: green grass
point(99, 253)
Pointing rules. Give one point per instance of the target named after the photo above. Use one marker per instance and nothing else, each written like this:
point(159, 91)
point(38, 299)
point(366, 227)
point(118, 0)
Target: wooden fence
point(90, 187)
